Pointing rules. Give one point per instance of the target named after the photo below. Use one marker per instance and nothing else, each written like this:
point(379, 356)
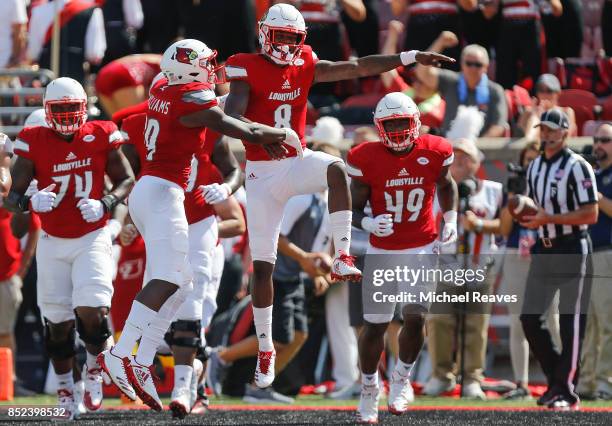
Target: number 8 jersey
point(278, 94)
point(76, 167)
point(403, 185)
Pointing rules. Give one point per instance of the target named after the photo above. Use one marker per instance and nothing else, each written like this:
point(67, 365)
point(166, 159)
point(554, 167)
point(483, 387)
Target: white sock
point(262, 317)
point(402, 369)
point(92, 361)
point(65, 381)
point(154, 334)
point(369, 379)
point(136, 323)
point(341, 230)
point(182, 376)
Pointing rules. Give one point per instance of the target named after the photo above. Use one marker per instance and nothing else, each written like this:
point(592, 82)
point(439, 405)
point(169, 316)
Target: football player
point(272, 88)
point(70, 159)
point(207, 190)
point(399, 176)
point(181, 106)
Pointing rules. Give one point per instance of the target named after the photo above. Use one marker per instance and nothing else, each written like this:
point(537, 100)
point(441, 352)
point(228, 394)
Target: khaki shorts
point(10, 300)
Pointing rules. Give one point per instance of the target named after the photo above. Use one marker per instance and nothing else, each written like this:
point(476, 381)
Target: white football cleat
point(400, 396)
point(367, 411)
point(79, 393)
point(67, 404)
point(92, 380)
point(141, 378)
point(343, 268)
point(264, 372)
point(117, 370)
point(180, 403)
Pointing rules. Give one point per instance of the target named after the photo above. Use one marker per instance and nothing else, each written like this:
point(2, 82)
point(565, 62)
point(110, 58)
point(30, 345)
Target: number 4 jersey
point(76, 167)
point(278, 94)
point(403, 185)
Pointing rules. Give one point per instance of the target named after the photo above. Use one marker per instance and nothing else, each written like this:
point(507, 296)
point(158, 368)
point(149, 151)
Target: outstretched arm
point(373, 65)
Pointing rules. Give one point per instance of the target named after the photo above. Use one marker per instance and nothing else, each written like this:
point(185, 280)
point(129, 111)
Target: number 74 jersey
point(404, 186)
point(278, 95)
point(76, 167)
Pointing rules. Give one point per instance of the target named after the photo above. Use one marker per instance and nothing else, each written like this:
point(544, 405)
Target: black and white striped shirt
point(561, 184)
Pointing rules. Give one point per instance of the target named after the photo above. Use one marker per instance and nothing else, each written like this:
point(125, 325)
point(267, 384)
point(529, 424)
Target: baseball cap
point(550, 81)
point(328, 130)
point(555, 119)
point(469, 147)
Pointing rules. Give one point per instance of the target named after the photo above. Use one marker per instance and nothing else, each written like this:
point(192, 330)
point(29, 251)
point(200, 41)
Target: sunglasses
point(473, 64)
point(602, 139)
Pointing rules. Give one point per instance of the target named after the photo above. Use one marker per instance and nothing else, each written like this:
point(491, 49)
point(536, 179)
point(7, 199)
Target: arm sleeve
point(585, 189)
point(95, 38)
point(498, 112)
point(132, 10)
point(22, 142)
point(446, 150)
point(197, 99)
point(235, 69)
point(294, 209)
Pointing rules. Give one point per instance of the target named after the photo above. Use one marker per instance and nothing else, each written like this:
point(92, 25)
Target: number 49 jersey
point(278, 95)
point(403, 185)
point(76, 167)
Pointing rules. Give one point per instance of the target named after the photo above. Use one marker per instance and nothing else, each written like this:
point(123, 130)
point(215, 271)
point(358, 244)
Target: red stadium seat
point(582, 102)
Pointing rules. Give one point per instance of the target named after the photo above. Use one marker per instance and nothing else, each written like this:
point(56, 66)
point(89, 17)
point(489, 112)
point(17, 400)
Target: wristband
point(109, 202)
point(22, 202)
point(409, 57)
point(450, 216)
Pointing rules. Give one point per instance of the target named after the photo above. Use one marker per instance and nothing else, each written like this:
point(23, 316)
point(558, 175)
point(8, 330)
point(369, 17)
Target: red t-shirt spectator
point(10, 250)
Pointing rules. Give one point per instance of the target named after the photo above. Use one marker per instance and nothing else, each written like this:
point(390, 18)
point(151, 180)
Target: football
point(521, 206)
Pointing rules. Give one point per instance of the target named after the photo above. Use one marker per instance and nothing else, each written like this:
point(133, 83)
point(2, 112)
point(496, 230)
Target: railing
point(15, 103)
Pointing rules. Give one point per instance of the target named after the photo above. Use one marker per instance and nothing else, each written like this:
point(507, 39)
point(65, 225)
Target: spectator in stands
point(160, 27)
point(592, 44)
point(470, 87)
point(14, 265)
point(547, 91)
point(328, 131)
point(430, 103)
point(476, 28)
point(125, 82)
point(363, 34)
point(479, 221)
point(82, 36)
point(519, 51)
point(122, 18)
point(564, 32)
point(517, 258)
point(227, 25)
point(596, 368)
point(13, 32)
point(427, 19)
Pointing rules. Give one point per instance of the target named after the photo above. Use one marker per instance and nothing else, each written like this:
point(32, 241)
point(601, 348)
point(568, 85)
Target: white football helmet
point(282, 20)
point(189, 60)
point(400, 107)
point(65, 105)
point(36, 118)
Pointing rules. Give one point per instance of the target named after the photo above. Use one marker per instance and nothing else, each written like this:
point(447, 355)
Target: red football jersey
point(403, 186)
point(196, 208)
point(170, 145)
point(278, 95)
point(77, 167)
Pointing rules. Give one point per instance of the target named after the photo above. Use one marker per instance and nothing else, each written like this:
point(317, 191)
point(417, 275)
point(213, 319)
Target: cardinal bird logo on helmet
point(185, 55)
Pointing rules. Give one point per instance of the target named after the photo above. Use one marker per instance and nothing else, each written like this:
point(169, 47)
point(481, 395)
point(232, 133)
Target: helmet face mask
point(282, 33)
point(65, 106)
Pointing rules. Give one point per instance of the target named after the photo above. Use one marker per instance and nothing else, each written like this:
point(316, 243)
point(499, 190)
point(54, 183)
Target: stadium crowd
point(516, 62)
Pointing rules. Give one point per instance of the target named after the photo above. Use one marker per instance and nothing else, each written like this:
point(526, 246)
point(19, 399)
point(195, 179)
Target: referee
point(563, 184)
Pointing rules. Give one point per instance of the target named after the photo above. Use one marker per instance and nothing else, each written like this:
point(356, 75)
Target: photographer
point(596, 367)
point(519, 241)
point(563, 185)
point(478, 222)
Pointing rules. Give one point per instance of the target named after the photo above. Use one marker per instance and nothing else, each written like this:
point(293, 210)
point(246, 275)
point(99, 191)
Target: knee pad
point(184, 325)
point(60, 349)
point(95, 338)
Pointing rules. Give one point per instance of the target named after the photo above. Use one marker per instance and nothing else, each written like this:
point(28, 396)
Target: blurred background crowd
point(515, 60)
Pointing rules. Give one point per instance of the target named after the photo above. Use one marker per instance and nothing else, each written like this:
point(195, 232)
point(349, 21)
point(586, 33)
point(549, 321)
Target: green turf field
point(315, 401)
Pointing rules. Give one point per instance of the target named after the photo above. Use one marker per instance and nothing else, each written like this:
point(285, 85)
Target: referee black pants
point(565, 268)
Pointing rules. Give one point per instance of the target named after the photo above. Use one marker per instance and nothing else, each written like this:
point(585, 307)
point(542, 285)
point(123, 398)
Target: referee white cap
point(555, 119)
